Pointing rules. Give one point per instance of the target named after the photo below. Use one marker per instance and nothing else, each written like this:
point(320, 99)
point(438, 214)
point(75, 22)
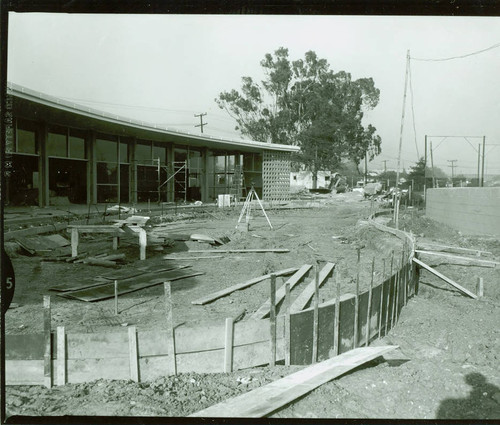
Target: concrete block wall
point(471, 210)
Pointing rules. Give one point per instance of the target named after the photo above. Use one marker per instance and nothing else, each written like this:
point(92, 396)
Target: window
point(143, 153)
point(57, 143)
point(77, 145)
point(26, 138)
point(106, 150)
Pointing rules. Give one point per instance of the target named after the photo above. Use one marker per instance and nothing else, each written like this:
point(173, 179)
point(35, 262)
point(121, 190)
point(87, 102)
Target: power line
point(412, 109)
point(458, 57)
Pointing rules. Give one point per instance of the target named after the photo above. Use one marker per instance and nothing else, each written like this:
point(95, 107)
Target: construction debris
point(269, 398)
point(239, 286)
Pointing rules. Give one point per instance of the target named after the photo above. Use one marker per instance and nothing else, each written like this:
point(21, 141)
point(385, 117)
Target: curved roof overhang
point(40, 107)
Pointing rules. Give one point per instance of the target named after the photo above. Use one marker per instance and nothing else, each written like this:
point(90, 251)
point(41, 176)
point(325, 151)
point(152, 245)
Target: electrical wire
point(457, 57)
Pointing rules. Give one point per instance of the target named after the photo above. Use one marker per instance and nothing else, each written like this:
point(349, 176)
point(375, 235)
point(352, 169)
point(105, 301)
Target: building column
point(92, 169)
point(204, 175)
point(43, 167)
point(170, 162)
point(133, 172)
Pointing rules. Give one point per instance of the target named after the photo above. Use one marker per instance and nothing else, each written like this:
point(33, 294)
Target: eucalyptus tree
point(305, 103)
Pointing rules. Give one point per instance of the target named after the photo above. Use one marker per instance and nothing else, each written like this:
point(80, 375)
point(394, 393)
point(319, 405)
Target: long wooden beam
point(452, 249)
point(304, 297)
point(227, 291)
point(269, 398)
point(459, 260)
point(263, 310)
point(446, 279)
point(240, 251)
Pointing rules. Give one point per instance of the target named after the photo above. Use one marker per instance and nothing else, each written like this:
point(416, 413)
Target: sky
point(166, 68)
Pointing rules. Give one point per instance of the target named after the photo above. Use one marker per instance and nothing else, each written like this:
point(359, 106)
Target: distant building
point(59, 151)
point(304, 180)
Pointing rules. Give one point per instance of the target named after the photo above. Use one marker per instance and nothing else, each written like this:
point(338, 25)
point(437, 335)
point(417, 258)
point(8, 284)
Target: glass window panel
point(220, 164)
point(124, 182)
point(257, 162)
point(106, 150)
point(248, 162)
point(160, 152)
point(180, 154)
point(26, 141)
point(107, 173)
point(76, 147)
point(230, 163)
point(124, 152)
point(56, 144)
point(143, 152)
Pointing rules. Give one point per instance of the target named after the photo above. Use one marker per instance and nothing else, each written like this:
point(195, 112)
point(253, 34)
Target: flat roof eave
point(144, 128)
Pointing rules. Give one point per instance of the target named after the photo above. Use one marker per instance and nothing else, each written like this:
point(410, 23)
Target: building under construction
point(61, 152)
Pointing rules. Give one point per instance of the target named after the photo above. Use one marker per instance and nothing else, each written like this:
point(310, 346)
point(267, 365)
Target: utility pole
point(385, 165)
point(452, 169)
point(478, 164)
point(366, 166)
point(482, 173)
point(432, 166)
point(201, 124)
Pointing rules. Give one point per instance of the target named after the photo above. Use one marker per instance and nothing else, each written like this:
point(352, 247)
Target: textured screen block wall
point(276, 176)
point(471, 210)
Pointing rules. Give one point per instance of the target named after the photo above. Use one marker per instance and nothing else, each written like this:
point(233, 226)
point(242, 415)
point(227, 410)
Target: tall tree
point(305, 103)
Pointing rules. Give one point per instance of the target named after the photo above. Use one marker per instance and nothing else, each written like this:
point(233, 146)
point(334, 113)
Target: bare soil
point(446, 367)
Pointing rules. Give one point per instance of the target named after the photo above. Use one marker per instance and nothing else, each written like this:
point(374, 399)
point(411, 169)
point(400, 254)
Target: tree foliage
point(419, 173)
point(305, 103)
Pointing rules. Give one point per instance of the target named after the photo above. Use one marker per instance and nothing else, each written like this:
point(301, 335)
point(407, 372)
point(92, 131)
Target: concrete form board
point(471, 210)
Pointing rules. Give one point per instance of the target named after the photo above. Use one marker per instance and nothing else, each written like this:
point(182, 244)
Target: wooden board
point(240, 251)
point(85, 370)
point(263, 310)
point(346, 329)
point(305, 296)
point(446, 279)
point(24, 372)
point(301, 337)
point(269, 398)
point(446, 248)
point(227, 291)
point(455, 259)
point(24, 347)
point(107, 291)
point(79, 286)
point(97, 345)
point(362, 318)
point(375, 311)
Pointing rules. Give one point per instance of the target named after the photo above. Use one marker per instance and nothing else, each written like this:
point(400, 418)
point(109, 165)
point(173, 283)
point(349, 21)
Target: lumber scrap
point(107, 291)
point(443, 277)
point(239, 286)
point(452, 249)
point(305, 296)
point(240, 251)
point(459, 260)
point(297, 277)
point(271, 397)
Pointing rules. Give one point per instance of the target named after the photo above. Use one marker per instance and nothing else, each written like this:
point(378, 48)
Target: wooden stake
point(288, 302)
point(116, 298)
point(61, 356)
point(388, 297)
point(272, 321)
point(228, 345)
point(170, 328)
point(74, 242)
point(315, 316)
point(143, 241)
point(356, 303)
point(480, 287)
point(47, 357)
point(336, 331)
point(404, 275)
point(381, 299)
point(133, 354)
point(369, 309)
point(395, 300)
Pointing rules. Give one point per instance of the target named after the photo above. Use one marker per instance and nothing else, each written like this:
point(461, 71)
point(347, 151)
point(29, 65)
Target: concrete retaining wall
point(471, 210)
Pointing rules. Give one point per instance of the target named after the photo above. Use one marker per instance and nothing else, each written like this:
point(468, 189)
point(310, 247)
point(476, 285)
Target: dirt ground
point(446, 367)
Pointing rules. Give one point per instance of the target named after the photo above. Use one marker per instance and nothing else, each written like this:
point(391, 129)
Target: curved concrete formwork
point(297, 338)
